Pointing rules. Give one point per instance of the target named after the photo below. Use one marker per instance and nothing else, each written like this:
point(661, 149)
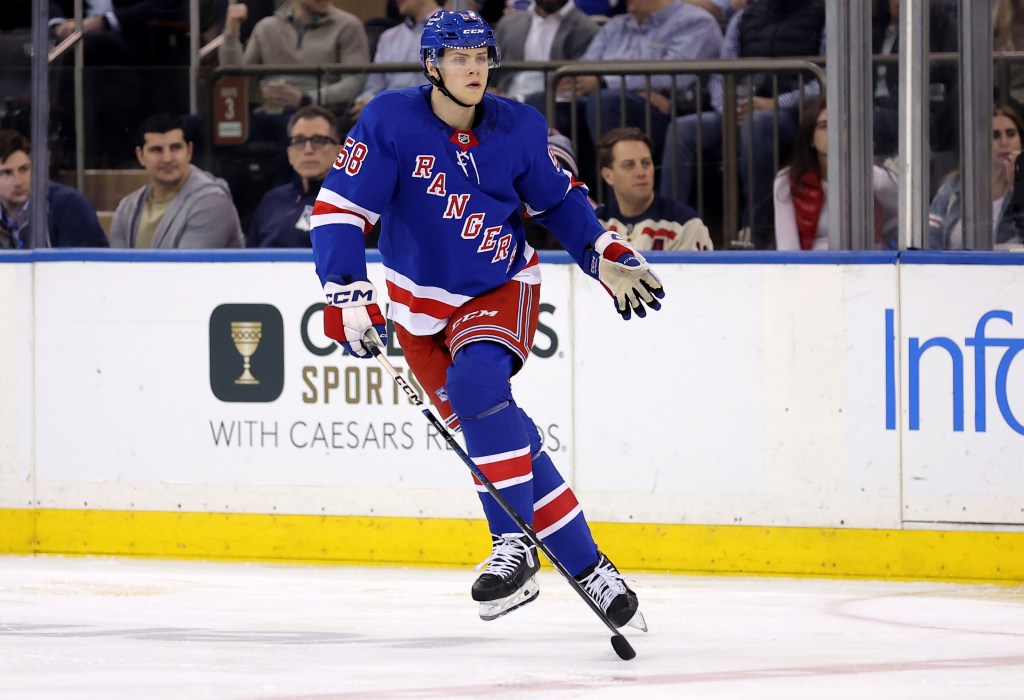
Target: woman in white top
point(801, 190)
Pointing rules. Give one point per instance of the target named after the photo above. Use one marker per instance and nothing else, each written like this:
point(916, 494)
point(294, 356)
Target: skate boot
point(510, 579)
point(608, 588)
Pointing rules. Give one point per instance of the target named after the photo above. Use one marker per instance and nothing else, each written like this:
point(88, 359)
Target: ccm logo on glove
point(351, 311)
point(347, 296)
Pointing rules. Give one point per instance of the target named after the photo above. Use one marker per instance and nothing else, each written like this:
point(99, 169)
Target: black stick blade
point(622, 647)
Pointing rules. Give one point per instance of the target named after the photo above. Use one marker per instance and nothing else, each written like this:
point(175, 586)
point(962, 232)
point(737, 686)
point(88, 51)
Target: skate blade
point(638, 622)
point(493, 609)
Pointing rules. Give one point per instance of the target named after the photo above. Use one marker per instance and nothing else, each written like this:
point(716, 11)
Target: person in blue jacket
point(282, 218)
point(72, 217)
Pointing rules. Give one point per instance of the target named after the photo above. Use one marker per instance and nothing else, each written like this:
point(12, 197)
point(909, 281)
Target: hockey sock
point(558, 517)
point(496, 437)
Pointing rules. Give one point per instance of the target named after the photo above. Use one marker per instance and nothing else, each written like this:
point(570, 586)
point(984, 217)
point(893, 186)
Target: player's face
point(464, 72)
point(165, 157)
point(312, 148)
point(632, 171)
point(15, 179)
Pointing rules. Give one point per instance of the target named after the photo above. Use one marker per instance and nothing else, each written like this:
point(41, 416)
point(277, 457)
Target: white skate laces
point(506, 555)
point(608, 588)
point(509, 581)
point(604, 583)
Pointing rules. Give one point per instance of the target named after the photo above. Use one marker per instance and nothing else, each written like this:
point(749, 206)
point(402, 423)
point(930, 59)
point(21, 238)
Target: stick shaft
point(505, 505)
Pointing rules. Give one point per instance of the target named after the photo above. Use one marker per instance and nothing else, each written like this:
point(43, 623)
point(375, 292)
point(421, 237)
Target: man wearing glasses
point(282, 218)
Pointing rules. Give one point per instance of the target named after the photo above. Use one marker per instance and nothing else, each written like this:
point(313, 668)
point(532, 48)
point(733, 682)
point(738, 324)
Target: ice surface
point(92, 628)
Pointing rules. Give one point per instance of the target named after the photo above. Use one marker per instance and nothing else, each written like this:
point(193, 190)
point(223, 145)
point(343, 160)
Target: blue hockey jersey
point(448, 204)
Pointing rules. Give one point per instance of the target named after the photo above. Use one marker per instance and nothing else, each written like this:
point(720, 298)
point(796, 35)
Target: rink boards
point(841, 414)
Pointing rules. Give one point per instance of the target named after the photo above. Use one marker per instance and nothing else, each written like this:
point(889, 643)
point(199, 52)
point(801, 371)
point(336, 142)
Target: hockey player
point(444, 167)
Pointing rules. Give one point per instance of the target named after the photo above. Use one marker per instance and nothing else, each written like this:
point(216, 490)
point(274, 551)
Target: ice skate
point(608, 588)
point(510, 580)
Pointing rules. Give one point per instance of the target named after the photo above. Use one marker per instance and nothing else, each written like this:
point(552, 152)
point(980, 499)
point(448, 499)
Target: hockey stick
point(619, 642)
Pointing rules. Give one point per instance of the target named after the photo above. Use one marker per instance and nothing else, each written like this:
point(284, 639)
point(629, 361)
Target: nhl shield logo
point(463, 138)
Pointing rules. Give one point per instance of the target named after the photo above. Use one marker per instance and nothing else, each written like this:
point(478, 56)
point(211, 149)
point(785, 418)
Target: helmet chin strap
point(438, 82)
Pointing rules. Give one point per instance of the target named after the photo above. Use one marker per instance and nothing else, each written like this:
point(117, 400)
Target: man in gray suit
point(554, 30)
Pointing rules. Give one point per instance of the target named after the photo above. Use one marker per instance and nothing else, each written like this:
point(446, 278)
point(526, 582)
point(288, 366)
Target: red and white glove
point(351, 311)
point(625, 274)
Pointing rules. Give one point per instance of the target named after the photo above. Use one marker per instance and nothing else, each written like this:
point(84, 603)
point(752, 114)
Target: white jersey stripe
point(332, 197)
point(501, 456)
point(316, 220)
point(417, 324)
point(555, 493)
point(514, 481)
point(560, 523)
point(425, 292)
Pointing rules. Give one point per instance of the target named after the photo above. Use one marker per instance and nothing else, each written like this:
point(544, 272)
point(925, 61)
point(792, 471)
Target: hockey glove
point(351, 311)
point(625, 274)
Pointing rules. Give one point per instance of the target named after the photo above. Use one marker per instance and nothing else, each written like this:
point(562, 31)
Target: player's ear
point(606, 175)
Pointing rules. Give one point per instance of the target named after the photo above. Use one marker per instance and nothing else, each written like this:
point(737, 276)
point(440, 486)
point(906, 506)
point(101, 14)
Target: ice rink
point(75, 628)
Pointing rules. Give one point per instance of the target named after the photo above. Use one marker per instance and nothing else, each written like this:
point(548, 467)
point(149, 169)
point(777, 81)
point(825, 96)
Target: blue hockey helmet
point(456, 30)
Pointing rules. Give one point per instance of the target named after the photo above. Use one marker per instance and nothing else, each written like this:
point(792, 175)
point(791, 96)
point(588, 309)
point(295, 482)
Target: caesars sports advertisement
point(221, 374)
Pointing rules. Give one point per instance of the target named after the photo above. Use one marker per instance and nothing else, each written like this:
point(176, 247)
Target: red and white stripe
point(555, 510)
point(422, 310)
point(505, 469)
point(514, 338)
point(332, 208)
point(530, 274)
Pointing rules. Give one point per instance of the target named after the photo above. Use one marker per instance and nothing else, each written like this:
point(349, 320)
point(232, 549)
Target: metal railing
point(556, 70)
point(730, 70)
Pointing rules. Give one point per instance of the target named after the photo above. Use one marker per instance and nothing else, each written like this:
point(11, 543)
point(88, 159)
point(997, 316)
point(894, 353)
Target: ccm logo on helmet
point(473, 31)
point(349, 295)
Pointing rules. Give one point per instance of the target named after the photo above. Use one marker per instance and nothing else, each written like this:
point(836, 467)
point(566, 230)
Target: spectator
point(721, 9)
point(648, 221)
point(181, 206)
point(1008, 35)
point(282, 218)
point(942, 37)
point(72, 219)
point(257, 10)
point(553, 30)
point(400, 44)
point(490, 10)
point(124, 41)
point(765, 29)
point(302, 33)
point(801, 190)
point(651, 30)
point(945, 217)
